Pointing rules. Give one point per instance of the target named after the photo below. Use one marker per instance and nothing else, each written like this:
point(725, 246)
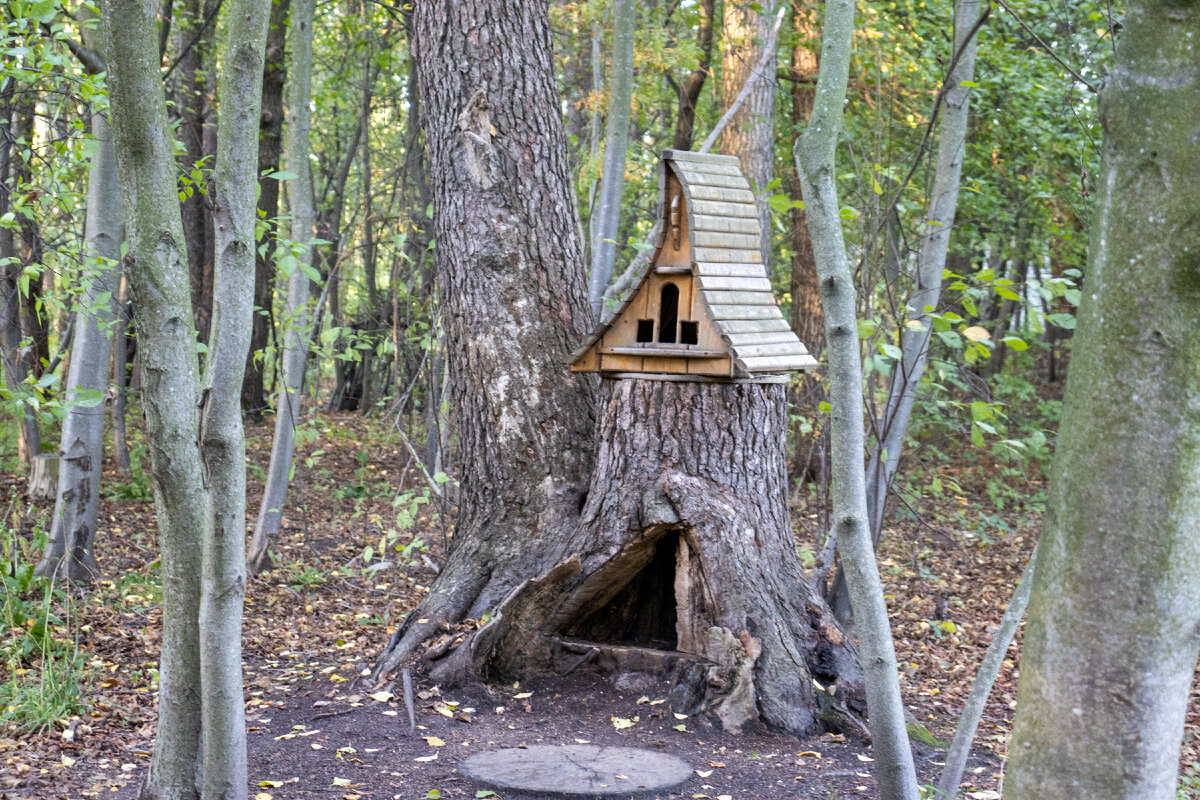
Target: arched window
point(668, 313)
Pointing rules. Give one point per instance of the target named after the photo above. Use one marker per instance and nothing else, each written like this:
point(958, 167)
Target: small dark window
point(668, 313)
point(689, 332)
point(645, 330)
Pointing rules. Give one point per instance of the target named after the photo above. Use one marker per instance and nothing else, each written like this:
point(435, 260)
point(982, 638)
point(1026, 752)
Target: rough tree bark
point(750, 135)
point(815, 162)
point(81, 450)
point(607, 215)
point(1110, 646)
point(683, 566)
point(513, 296)
point(296, 324)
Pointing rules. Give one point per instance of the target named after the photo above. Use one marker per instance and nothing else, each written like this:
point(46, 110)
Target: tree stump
point(684, 565)
point(43, 477)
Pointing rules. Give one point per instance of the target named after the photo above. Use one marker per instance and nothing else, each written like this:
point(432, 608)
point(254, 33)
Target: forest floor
point(314, 624)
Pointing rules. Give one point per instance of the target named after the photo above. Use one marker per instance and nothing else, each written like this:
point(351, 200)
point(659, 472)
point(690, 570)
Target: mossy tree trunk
point(1110, 647)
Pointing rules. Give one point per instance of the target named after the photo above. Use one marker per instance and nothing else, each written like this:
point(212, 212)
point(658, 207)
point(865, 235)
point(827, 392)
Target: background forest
point(355, 467)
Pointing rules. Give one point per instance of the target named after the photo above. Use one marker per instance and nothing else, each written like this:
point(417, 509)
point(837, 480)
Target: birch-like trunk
point(222, 440)
point(815, 162)
point(296, 324)
point(616, 143)
point(1110, 646)
point(69, 549)
point(157, 269)
point(931, 263)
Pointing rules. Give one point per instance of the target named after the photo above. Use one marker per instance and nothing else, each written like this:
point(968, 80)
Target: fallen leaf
point(583, 741)
point(262, 796)
point(426, 759)
point(382, 697)
point(704, 773)
point(522, 696)
point(861, 757)
point(433, 741)
point(621, 723)
point(681, 716)
point(341, 781)
point(716, 764)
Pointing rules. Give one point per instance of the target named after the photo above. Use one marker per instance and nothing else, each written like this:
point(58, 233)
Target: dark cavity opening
point(645, 330)
point(689, 332)
point(643, 612)
point(668, 314)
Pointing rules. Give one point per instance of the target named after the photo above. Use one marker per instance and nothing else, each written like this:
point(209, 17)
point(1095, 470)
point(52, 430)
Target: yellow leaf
point(523, 696)
point(976, 333)
point(621, 723)
point(262, 796)
point(426, 759)
point(341, 781)
point(433, 741)
point(861, 757)
point(382, 697)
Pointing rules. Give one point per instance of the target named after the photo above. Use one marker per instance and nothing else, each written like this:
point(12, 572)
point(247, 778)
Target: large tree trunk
point(1110, 647)
point(750, 135)
point(514, 300)
point(296, 326)
point(82, 444)
point(684, 565)
point(270, 145)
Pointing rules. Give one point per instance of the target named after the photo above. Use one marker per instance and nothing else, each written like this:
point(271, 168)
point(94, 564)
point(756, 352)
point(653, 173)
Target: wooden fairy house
point(702, 308)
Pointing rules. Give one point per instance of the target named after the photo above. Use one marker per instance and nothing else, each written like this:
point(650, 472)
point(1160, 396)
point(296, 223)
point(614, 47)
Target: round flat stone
point(576, 770)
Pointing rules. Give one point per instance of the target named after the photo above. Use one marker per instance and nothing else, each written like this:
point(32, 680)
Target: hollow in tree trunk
point(683, 565)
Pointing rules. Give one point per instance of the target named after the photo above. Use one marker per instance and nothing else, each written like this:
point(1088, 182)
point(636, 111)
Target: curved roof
point(723, 231)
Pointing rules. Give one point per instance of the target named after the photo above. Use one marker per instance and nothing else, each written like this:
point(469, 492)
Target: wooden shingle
point(703, 308)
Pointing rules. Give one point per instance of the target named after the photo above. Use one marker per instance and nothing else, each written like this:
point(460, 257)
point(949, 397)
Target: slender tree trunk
point(689, 91)
point(222, 440)
point(270, 145)
point(28, 440)
point(807, 317)
point(514, 300)
point(297, 326)
point(1110, 646)
point(815, 163)
point(35, 321)
point(120, 375)
point(750, 135)
point(981, 687)
point(158, 276)
point(81, 450)
point(931, 263)
point(193, 32)
point(616, 144)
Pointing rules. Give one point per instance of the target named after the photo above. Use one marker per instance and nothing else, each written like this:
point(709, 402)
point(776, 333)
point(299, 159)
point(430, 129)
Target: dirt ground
point(315, 622)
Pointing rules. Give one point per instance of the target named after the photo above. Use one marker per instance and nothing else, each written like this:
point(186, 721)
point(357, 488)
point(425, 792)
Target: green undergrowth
point(41, 665)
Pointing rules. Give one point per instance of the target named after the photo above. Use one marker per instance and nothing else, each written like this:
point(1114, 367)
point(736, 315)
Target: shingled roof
point(723, 232)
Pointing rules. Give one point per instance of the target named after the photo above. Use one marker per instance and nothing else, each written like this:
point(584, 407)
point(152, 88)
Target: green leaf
point(283, 175)
point(890, 350)
point(486, 793)
point(433, 794)
point(1016, 343)
point(1007, 294)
